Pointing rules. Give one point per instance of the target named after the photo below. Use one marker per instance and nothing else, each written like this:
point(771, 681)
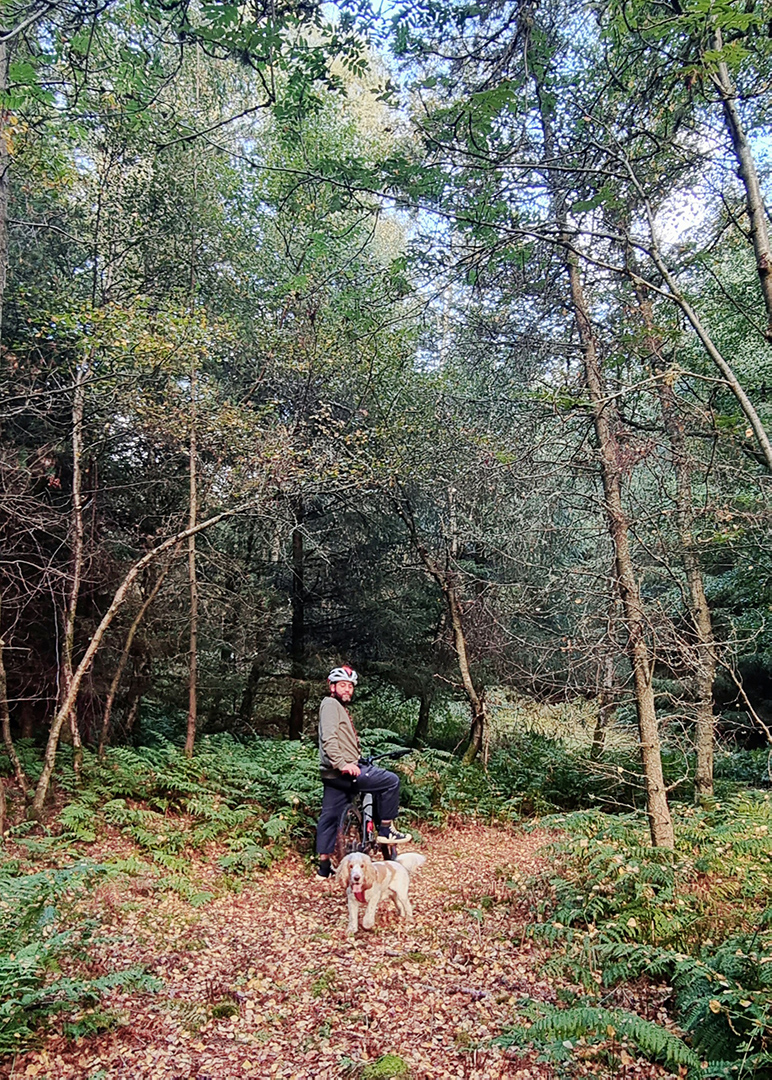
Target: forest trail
point(306, 1000)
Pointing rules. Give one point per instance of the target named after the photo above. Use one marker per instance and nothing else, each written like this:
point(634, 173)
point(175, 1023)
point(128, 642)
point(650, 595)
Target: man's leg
point(385, 785)
point(337, 795)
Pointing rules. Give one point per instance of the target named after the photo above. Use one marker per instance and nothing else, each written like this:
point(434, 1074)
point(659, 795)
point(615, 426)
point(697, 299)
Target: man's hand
point(351, 770)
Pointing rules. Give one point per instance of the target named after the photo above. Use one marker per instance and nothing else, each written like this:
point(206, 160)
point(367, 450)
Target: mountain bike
point(358, 829)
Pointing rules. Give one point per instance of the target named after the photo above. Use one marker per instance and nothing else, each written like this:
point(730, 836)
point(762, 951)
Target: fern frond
point(653, 1041)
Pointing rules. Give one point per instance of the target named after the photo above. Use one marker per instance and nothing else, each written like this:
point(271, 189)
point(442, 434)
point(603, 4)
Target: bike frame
point(358, 825)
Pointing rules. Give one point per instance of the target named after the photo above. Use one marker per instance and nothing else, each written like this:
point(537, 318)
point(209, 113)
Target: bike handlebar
point(391, 754)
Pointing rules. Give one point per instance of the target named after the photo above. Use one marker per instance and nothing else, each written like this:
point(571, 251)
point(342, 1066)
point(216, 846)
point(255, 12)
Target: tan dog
point(367, 883)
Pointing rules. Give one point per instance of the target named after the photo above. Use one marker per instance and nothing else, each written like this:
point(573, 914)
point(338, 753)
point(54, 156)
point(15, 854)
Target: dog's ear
point(368, 866)
point(341, 873)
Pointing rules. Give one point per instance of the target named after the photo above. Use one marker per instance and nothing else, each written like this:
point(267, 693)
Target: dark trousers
point(339, 792)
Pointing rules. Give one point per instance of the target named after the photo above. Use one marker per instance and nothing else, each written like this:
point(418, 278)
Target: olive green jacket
point(338, 740)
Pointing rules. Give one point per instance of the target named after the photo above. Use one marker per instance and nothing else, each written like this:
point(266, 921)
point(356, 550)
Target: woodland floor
point(308, 1001)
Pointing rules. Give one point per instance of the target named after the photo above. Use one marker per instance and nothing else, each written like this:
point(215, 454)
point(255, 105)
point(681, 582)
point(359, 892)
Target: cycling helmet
point(343, 674)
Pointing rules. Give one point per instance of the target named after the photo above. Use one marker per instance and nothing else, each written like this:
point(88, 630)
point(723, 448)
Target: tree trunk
point(658, 811)
point(606, 708)
point(190, 737)
point(297, 710)
point(76, 564)
point(675, 294)
point(5, 166)
point(124, 657)
point(140, 683)
point(131, 716)
point(705, 666)
point(476, 701)
point(27, 721)
point(421, 732)
point(5, 720)
point(118, 600)
point(754, 200)
point(445, 578)
point(248, 696)
point(3, 810)
point(299, 689)
point(660, 823)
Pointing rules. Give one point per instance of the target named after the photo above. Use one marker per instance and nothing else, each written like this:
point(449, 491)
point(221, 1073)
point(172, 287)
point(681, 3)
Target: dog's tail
point(411, 860)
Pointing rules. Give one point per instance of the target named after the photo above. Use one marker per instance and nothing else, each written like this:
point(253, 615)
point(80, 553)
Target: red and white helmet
point(343, 674)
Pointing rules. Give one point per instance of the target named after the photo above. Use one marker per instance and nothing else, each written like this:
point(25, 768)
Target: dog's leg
point(372, 904)
point(401, 901)
point(353, 913)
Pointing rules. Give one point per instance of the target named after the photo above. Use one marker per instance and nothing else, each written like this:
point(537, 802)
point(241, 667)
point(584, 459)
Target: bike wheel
point(349, 832)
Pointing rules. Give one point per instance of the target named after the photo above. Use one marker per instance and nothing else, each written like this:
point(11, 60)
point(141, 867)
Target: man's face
point(343, 690)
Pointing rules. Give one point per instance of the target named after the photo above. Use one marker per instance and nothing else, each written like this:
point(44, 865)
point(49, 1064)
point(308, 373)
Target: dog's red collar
point(360, 896)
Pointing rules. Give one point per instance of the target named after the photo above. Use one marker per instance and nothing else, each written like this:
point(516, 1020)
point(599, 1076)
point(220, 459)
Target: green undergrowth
point(245, 803)
point(39, 928)
point(612, 910)
point(252, 801)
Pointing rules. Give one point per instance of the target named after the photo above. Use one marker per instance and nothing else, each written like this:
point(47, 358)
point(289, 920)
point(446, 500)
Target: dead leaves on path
point(265, 984)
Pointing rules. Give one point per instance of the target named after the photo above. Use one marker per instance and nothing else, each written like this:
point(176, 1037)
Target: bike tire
point(349, 832)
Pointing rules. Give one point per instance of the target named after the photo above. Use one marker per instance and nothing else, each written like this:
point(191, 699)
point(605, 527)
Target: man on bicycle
point(342, 775)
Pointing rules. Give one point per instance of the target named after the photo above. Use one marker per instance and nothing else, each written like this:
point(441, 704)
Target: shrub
point(537, 774)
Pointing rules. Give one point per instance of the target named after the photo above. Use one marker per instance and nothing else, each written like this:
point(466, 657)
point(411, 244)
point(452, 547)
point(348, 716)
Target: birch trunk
point(119, 599)
point(5, 165)
point(446, 579)
point(699, 612)
point(76, 562)
point(299, 691)
point(190, 737)
point(657, 809)
point(476, 701)
point(660, 823)
point(124, 657)
point(754, 200)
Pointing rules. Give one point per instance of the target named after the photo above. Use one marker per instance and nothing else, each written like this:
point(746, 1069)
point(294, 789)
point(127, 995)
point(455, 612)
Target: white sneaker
point(393, 837)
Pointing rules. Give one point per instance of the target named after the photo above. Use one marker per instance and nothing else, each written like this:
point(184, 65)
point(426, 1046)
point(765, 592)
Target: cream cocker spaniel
point(367, 883)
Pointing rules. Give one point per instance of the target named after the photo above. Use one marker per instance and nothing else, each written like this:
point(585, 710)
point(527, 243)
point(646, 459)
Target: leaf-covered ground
point(265, 983)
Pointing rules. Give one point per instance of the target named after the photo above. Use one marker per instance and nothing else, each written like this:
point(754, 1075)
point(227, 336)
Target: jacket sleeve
point(330, 730)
